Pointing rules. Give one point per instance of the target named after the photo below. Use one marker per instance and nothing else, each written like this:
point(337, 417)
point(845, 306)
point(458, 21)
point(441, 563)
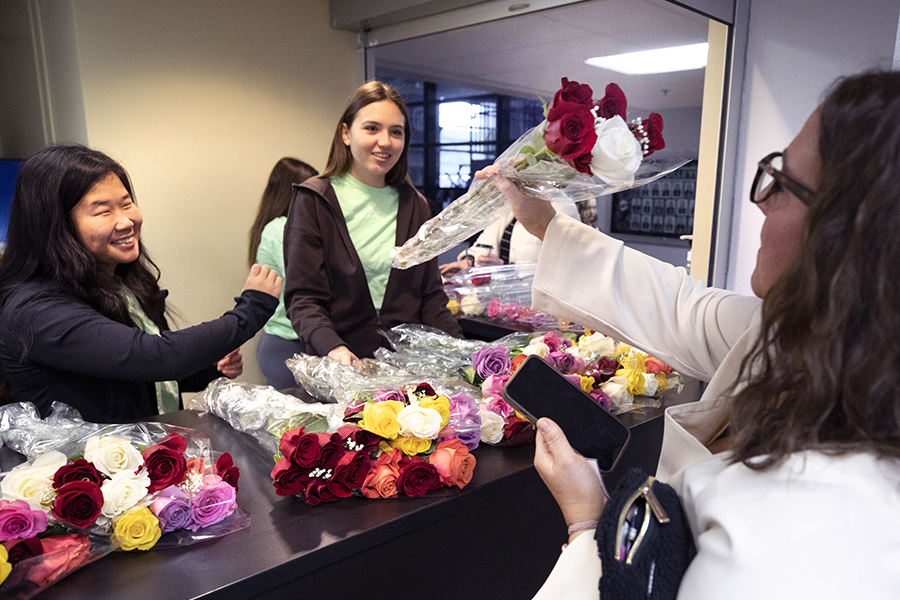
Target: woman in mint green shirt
point(278, 341)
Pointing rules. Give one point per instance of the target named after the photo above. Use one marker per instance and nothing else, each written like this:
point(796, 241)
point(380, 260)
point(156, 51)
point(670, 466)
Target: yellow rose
point(5, 567)
point(411, 445)
point(453, 306)
point(381, 418)
point(635, 380)
point(587, 383)
point(440, 404)
point(663, 382)
point(138, 530)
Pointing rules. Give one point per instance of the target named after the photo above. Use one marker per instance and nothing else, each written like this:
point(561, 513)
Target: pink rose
point(495, 309)
point(493, 384)
point(495, 404)
point(17, 520)
point(213, 502)
point(62, 553)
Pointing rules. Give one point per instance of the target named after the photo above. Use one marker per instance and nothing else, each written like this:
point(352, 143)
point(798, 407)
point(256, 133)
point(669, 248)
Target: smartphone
point(538, 390)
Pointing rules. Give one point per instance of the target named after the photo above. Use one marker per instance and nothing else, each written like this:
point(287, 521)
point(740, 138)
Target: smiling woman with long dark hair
point(82, 316)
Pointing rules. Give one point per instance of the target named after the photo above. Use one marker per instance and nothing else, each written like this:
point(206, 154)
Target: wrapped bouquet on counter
point(381, 433)
point(88, 489)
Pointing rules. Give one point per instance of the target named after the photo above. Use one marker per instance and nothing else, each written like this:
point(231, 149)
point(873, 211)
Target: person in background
point(82, 316)
point(278, 340)
point(792, 456)
point(587, 210)
point(340, 289)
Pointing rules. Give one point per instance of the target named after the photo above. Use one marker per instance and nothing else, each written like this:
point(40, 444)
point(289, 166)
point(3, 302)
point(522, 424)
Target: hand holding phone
point(538, 390)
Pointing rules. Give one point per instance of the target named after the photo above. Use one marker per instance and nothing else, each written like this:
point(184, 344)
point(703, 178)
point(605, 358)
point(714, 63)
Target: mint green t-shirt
point(271, 253)
point(371, 215)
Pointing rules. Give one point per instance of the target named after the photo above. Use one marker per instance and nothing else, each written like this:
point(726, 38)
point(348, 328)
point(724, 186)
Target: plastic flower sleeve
point(536, 171)
point(262, 411)
point(63, 555)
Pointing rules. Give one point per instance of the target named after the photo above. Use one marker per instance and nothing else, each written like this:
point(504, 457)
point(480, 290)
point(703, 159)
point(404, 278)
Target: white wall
point(796, 49)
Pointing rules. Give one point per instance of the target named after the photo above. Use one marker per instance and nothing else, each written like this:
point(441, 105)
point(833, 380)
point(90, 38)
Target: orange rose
point(453, 463)
point(381, 482)
point(518, 360)
point(654, 365)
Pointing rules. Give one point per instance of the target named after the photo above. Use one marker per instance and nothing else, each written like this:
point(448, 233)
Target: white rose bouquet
point(582, 150)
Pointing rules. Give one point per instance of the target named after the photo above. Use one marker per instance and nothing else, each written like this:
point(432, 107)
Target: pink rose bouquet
point(583, 149)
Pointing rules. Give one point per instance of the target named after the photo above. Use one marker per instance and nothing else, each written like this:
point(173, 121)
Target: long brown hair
point(339, 157)
point(825, 371)
point(276, 198)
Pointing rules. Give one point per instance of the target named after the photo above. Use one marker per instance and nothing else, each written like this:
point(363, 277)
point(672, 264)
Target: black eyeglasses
point(770, 179)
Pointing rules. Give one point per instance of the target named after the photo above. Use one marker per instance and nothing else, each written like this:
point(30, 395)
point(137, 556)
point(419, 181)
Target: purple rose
point(213, 502)
point(462, 407)
point(384, 395)
point(564, 362)
point(17, 520)
point(173, 509)
point(493, 360)
point(602, 399)
point(469, 437)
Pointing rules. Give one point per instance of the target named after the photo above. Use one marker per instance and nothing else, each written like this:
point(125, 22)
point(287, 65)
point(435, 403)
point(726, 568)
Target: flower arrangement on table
point(379, 433)
point(398, 442)
point(113, 491)
point(611, 373)
point(582, 150)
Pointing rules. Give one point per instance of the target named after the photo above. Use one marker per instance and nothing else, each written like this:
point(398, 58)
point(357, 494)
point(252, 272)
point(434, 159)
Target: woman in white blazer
point(789, 466)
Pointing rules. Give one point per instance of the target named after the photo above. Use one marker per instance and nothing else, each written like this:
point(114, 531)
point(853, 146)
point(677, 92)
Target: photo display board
point(664, 208)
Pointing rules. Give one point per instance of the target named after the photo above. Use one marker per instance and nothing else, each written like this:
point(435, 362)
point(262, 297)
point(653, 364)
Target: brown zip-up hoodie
point(326, 294)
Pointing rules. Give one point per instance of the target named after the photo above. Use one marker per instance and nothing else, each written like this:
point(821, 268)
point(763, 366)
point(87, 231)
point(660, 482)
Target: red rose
point(424, 389)
point(517, 432)
point(613, 102)
point(582, 163)
point(350, 472)
point(165, 465)
point(77, 470)
point(653, 126)
point(572, 91)
point(354, 436)
point(226, 469)
point(19, 550)
point(78, 504)
point(570, 130)
point(417, 476)
point(174, 441)
point(288, 478)
point(602, 370)
point(332, 450)
point(302, 449)
point(317, 491)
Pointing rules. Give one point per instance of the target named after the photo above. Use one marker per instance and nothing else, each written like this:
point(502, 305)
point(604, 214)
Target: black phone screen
point(538, 390)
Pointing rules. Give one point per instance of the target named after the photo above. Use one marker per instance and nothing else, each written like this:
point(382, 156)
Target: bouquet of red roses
point(582, 150)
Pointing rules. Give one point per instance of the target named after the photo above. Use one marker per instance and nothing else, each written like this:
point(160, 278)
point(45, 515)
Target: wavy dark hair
point(339, 157)
point(42, 242)
point(276, 198)
point(824, 372)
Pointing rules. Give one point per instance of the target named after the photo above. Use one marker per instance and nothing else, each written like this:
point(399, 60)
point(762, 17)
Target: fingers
point(232, 365)
point(488, 260)
point(264, 279)
point(343, 355)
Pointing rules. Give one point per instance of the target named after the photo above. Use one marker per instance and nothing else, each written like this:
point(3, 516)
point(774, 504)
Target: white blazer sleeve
point(594, 280)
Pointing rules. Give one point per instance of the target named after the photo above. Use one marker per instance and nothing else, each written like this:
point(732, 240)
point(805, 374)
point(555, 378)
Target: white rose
point(123, 492)
point(616, 154)
point(415, 421)
point(598, 345)
point(651, 384)
point(33, 482)
point(471, 306)
point(617, 390)
point(111, 454)
point(540, 349)
point(491, 427)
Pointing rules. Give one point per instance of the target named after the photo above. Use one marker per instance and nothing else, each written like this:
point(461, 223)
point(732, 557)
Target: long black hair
point(43, 244)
